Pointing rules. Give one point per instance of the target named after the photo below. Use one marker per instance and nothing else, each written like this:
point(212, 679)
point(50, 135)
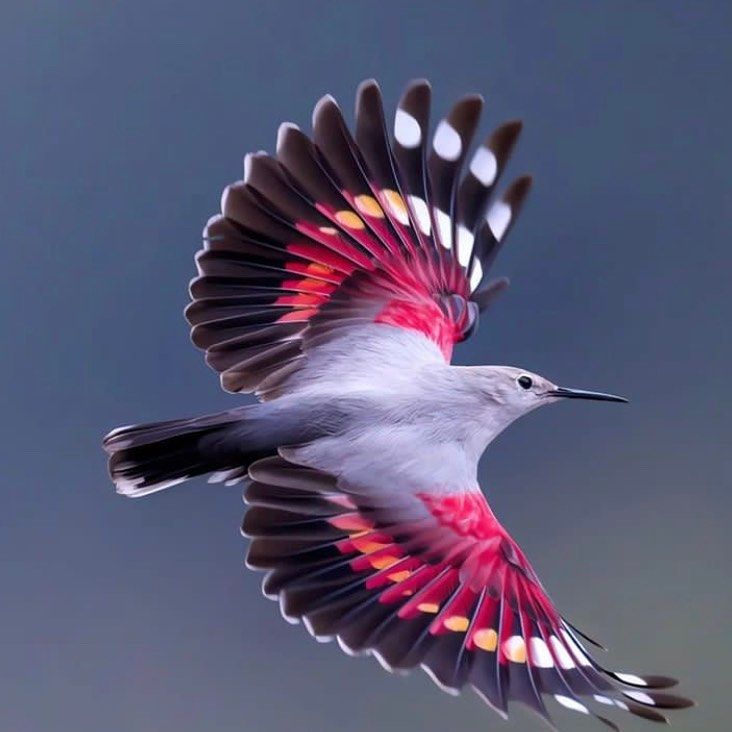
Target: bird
point(335, 284)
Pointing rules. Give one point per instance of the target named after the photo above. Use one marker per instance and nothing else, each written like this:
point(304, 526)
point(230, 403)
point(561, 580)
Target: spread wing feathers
point(389, 231)
point(431, 581)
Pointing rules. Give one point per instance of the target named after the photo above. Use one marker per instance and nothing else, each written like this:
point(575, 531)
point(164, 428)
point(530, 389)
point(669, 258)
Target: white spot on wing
point(539, 652)
point(600, 699)
point(484, 166)
point(565, 660)
point(406, 129)
point(640, 696)
point(513, 646)
point(572, 704)
point(476, 275)
point(218, 477)
point(447, 142)
point(444, 227)
point(465, 240)
point(630, 679)
point(421, 213)
point(395, 205)
point(498, 218)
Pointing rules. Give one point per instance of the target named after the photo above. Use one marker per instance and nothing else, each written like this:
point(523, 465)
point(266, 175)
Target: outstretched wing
point(427, 579)
point(339, 231)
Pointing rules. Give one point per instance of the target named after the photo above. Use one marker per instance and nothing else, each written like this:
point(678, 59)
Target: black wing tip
point(417, 83)
point(518, 190)
point(505, 136)
point(368, 95)
point(283, 132)
point(367, 85)
point(416, 93)
point(516, 124)
point(326, 103)
point(470, 99)
point(660, 682)
point(466, 110)
point(522, 184)
point(662, 700)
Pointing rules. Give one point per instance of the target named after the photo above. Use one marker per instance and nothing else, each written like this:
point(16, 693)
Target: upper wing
point(418, 578)
point(340, 231)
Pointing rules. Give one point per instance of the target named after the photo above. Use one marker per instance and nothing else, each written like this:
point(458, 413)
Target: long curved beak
point(562, 391)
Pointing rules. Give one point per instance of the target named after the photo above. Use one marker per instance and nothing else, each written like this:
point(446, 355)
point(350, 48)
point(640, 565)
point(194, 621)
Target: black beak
point(581, 394)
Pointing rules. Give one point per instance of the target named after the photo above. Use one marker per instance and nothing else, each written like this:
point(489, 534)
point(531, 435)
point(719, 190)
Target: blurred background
point(121, 124)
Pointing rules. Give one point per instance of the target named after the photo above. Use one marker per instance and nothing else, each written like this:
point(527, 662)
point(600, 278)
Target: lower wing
point(430, 580)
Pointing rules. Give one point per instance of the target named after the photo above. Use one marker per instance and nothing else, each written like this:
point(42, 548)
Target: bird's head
point(516, 391)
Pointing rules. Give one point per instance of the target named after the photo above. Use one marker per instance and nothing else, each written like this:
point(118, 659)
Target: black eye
point(525, 381)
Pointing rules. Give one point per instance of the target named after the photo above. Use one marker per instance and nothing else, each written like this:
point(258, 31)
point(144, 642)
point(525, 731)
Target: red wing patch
point(424, 317)
point(326, 214)
point(442, 586)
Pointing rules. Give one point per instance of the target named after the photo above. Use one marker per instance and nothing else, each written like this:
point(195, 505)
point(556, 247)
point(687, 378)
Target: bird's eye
point(525, 382)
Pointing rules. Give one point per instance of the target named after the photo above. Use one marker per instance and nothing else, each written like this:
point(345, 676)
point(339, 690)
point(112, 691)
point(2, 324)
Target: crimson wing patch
point(428, 580)
point(341, 230)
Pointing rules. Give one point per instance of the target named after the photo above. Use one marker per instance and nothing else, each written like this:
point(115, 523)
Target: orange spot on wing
point(384, 562)
point(367, 546)
point(486, 639)
point(369, 206)
point(515, 649)
point(457, 623)
point(297, 314)
point(317, 268)
point(349, 219)
point(395, 203)
point(351, 522)
point(301, 299)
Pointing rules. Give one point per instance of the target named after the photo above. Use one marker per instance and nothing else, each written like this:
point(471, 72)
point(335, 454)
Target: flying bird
point(334, 285)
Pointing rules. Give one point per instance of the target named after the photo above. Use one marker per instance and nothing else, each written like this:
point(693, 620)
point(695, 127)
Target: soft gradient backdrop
point(121, 123)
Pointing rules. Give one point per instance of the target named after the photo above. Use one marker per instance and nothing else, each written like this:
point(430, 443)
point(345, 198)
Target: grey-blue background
point(120, 124)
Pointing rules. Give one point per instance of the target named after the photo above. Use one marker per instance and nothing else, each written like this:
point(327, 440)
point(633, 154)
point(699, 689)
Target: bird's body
point(428, 421)
point(334, 286)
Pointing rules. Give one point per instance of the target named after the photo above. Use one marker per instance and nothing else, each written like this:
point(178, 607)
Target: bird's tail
point(150, 457)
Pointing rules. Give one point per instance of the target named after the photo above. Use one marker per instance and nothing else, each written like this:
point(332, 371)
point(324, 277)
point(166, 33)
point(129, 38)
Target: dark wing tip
point(367, 88)
point(660, 682)
point(326, 103)
point(518, 190)
point(660, 700)
point(418, 83)
point(466, 111)
point(416, 94)
point(367, 84)
point(503, 138)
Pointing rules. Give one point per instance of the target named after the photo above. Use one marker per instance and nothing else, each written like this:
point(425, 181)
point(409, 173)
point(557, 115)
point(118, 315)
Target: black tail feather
point(148, 458)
